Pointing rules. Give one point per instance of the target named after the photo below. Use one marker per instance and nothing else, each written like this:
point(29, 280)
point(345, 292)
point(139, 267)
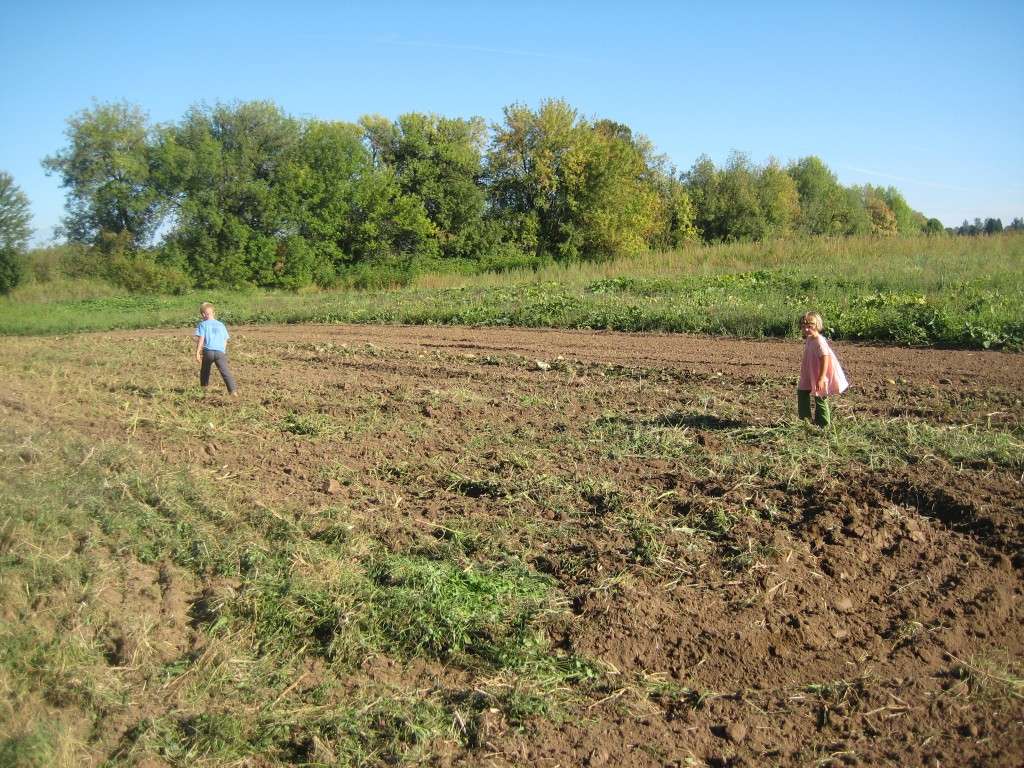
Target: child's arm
point(826, 367)
point(200, 340)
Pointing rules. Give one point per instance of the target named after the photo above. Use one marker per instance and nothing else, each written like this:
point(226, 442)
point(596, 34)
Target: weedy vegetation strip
point(966, 292)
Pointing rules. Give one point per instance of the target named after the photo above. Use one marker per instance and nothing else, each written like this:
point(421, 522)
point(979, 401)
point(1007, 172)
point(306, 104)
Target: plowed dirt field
point(759, 592)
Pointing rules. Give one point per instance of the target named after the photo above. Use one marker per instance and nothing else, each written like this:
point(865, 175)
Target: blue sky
point(924, 96)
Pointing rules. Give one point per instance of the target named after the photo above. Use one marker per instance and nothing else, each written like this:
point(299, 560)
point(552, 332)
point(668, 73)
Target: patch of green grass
point(42, 742)
point(311, 425)
point(437, 609)
point(966, 292)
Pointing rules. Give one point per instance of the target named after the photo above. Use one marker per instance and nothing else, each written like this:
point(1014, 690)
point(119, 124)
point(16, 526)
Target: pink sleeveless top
point(810, 368)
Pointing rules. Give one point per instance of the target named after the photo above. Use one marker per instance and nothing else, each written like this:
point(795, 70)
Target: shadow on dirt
point(965, 515)
point(150, 391)
point(700, 421)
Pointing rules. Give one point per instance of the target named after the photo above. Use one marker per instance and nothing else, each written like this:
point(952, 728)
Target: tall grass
point(926, 263)
point(957, 291)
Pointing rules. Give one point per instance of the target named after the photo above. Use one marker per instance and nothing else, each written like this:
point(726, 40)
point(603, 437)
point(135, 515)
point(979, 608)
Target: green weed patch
point(964, 292)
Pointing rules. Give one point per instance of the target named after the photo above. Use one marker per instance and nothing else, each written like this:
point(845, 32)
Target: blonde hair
point(812, 318)
point(205, 307)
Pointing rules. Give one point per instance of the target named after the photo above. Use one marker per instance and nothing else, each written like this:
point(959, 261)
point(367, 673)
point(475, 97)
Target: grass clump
point(992, 677)
point(437, 609)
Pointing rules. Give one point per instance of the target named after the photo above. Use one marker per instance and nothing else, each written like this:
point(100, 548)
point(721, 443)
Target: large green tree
point(349, 209)
point(907, 221)
point(328, 170)
point(106, 169)
point(525, 174)
point(236, 220)
point(826, 207)
point(615, 199)
point(742, 201)
point(437, 161)
point(677, 226)
point(779, 200)
point(567, 188)
point(15, 231)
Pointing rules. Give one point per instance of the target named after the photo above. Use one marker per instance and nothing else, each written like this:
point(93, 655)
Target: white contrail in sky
point(394, 40)
point(910, 181)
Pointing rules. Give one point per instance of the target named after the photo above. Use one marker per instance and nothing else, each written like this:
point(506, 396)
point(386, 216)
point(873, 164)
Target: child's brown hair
point(812, 319)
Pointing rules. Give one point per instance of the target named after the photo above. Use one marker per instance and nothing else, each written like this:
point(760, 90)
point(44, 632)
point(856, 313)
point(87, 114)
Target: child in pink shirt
point(821, 374)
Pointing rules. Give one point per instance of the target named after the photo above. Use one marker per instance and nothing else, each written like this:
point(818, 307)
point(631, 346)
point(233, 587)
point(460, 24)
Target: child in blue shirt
point(212, 348)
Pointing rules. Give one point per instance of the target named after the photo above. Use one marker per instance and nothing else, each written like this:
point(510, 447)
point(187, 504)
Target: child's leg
point(225, 372)
point(204, 370)
point(822, 411)
point(803, 403)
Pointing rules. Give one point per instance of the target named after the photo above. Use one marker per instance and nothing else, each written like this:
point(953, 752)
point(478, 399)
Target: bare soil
point(852, 624)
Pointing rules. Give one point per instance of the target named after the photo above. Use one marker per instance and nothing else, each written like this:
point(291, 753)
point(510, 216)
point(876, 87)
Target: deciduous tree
point(528, 159)
point(15, 231)
point(235, 218)
point(351, 209)
point(742, 202)
point(883, 220)
point(567, 188)
point(827, 207)
point(106, 169)
point(614, 200)
point(779, 200)
point(676, 226)
point(438, 161)
point(906, 220)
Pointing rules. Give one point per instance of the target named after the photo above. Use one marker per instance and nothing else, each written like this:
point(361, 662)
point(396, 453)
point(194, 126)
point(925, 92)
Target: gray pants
point(213, 357)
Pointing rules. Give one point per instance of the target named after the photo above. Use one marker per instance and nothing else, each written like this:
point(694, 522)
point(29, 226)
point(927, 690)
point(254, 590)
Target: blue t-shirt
point(215, 335)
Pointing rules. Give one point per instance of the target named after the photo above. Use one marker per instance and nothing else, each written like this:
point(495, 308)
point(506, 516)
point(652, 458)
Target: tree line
point(245, 194)
point(988, 227)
